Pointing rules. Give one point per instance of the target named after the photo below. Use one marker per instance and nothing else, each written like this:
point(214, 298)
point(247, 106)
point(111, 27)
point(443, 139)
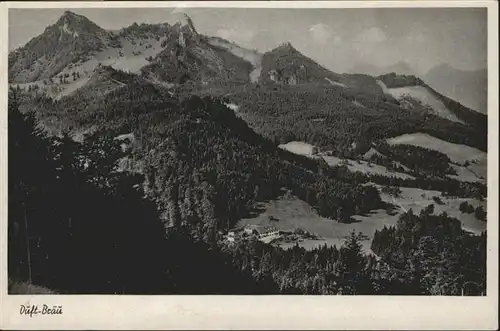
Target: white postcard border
point(262, 312)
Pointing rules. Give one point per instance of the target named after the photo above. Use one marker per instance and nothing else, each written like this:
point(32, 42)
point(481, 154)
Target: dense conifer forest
point(334, 118)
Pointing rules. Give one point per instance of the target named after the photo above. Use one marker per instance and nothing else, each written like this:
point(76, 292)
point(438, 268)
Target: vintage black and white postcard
point(249, 165)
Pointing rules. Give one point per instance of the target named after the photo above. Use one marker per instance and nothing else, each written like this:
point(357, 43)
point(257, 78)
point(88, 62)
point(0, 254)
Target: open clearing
point(423, 96)
point(299, 148)
point(417, 199)
point(305, 149)
point(457, 153)
point(293, 213)
point(131, 57)
point(467, 174)
point(365, 167)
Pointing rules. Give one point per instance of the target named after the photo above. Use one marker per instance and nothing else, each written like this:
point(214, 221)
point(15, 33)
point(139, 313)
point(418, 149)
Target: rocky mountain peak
point(184, 22)
point(287, 46)
point(73, 23)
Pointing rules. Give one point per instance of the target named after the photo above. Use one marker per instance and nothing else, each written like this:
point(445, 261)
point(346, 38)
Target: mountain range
point(76, 59)
point(215, 131)
point(400, 67)
point(466, 87)
point(64, 56)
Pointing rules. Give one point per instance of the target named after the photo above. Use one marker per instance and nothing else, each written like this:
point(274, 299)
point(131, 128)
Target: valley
point(332, 232)
point(289, 213)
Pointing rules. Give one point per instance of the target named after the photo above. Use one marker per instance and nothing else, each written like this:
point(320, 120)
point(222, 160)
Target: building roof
point(261, 228)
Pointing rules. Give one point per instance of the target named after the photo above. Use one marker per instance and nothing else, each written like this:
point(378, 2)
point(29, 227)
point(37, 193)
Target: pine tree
point(351, 267)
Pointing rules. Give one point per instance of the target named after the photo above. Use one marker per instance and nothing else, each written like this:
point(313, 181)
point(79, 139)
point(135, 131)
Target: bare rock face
point(286, 65)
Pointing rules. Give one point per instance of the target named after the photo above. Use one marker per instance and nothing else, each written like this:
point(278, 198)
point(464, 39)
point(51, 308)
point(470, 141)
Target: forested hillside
point(334, 118)
point(112, 234)
point(104, 236)
point(434, 253)
point(220, 153)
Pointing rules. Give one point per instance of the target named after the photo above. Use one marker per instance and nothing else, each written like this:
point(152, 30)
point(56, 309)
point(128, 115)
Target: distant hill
point(400, 67)
point(286, 65)
point(413, 93)
point(467, 87)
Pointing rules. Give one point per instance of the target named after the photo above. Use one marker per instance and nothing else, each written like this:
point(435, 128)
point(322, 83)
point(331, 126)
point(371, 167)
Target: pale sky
point(337, 38)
